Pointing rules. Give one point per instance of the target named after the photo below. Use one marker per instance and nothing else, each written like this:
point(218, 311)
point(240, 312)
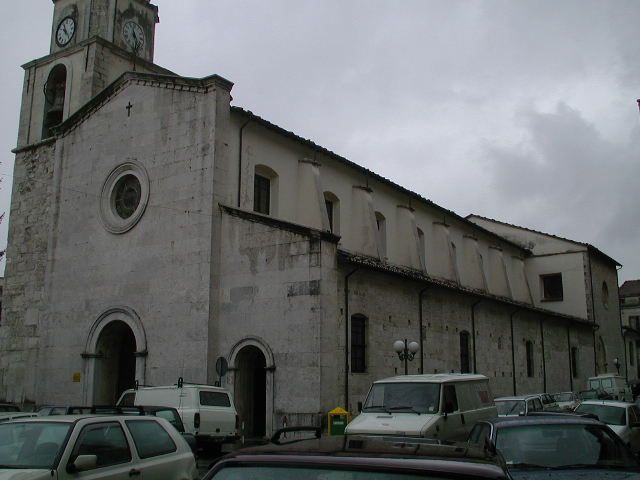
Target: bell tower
point(93, 42)
point(128, 24)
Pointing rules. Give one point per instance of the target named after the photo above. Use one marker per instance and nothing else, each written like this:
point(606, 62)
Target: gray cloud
point(523, 111)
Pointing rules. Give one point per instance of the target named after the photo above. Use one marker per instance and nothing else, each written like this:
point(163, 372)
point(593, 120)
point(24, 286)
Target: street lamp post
point(406, 352)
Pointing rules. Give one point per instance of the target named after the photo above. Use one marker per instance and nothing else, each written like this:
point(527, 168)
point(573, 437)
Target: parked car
point(596, 394)
point(358, 457)
point(614, 385)
point(9, 407)
point(8, 416)
point(168, 413)
point(96, 447)
point(518, 405)
point(548, 402)
point(442, 406)
point(567, 400)
point(557, 446)
point(622, 417)
point(207, 412)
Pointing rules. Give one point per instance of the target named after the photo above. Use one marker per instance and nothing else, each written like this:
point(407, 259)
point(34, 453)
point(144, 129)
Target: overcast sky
point(520, 111)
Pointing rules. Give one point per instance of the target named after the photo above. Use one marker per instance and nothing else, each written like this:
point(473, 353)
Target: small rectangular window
point(530, 371)
point(358, 345)
point(329, 205)
point(574, 362)
point(551, 287)
point(261, 194)
point(214, 399)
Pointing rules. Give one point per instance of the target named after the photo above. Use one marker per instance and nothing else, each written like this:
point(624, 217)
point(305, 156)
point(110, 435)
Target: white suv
point(95, 447)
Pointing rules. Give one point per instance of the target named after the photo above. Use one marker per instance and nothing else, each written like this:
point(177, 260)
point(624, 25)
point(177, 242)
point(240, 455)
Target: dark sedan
point(357, 457)
point(557, 446)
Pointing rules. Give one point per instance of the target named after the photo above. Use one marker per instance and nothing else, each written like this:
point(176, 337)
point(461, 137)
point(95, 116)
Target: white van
point(207, 412)
point(614, 385)
point(440, 406)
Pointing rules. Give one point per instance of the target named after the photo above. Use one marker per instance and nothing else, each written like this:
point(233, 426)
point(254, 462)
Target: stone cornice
point(282, 224)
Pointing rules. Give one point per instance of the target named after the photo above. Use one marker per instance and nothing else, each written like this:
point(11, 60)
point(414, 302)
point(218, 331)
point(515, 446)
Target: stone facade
point(630, 313)
point(135, 255)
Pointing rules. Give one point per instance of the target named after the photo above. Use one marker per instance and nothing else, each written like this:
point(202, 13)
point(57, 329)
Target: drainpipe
point(346, 337)
point(624, 340)
point(569, 351)
point(421, 326)
point(513, 352)
point(473, 333)
point(544, 362)
point(595, 352)
point(593, 314)
point(240, 157)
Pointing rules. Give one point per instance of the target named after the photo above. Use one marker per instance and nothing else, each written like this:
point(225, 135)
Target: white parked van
point(440, 406)
point(614, 385)
point(207, 412)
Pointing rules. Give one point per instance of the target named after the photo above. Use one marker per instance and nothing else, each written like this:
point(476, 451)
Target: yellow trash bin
point(338, 420)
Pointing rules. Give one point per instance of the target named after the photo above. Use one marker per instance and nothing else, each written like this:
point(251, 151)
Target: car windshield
point(31, 445)
point(418, 397)
point(606, 413)
point(510, 407)
point(562, 446)
point(563, 397)
point(294, 473)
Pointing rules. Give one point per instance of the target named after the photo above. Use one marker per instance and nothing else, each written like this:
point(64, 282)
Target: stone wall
point(24, 304)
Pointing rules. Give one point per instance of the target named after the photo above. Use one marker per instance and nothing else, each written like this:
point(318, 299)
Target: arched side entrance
point(252, 367)
point(114, 355)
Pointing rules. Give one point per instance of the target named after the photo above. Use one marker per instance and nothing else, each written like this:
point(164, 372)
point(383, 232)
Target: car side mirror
point(82, 463)
point(359, 407)
point(448, 408)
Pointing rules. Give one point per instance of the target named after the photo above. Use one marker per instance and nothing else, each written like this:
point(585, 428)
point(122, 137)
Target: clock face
point(133, 35)
point(66, 30)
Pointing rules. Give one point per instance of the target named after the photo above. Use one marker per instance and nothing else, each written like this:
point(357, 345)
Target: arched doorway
point(115, 367)
point(251, 389)
point(116, 346)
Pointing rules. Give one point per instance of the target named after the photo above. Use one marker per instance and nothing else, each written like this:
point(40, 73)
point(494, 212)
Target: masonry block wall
point(24, 302)
point(276, 288)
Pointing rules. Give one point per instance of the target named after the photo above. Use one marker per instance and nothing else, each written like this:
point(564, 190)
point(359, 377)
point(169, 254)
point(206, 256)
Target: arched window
point(574, 362)
point(465, 363)
point(358, 343)
point(605, 295)
point(54, 94)
point(332, 204)
point(265, 189)
point(422, 246)
point(382, 231)
point(529, 349)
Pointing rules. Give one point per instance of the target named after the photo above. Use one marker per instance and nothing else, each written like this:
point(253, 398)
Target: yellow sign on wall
point(76, 377)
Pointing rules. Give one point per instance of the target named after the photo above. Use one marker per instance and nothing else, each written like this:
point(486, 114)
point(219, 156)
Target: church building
point(155, 228)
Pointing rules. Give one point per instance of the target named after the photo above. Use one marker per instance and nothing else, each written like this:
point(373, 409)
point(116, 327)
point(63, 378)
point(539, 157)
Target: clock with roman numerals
point(65, 32)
